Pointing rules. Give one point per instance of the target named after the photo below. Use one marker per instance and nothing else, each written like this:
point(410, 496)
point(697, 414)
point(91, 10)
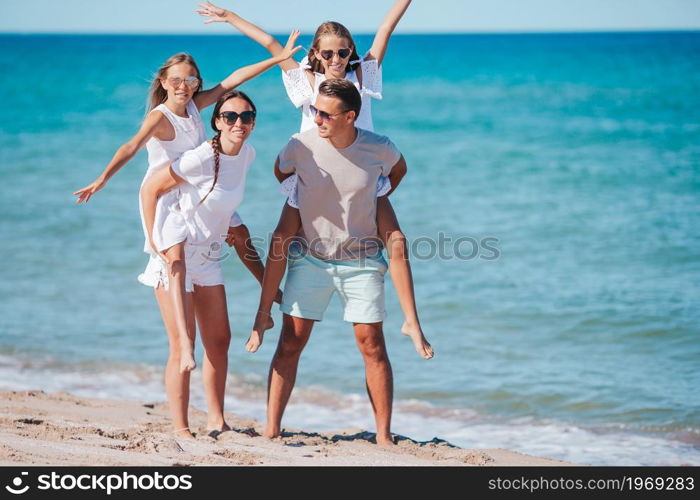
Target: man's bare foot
point(263, 321)
point(184, 433)
point(423, 347)
point(187, 363)
point(387, 440)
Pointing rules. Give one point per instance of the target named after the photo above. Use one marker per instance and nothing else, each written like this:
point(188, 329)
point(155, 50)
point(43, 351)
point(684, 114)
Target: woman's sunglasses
point(231, 117)
point(342, 53)
point(191, 81)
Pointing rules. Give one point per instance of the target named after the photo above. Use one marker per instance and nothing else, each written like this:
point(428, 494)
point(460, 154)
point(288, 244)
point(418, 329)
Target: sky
point(360, 16)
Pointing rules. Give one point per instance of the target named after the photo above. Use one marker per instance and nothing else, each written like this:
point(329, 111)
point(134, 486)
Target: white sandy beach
point(39, 428)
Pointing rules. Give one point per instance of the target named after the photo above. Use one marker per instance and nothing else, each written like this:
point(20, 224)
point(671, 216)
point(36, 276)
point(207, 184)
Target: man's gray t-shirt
point(337, 191)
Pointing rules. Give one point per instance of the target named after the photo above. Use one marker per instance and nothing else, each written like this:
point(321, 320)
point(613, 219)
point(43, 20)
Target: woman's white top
point(303, 94)
point(189, 133)
point(204, 222)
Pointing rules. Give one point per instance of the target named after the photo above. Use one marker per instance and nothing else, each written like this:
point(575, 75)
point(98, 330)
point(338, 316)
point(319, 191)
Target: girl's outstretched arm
point(218, 15)
point(381, 39)
point(153, 123)
point(242, 75)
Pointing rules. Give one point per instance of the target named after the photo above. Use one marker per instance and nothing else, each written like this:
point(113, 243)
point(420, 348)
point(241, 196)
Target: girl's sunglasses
point(231, 117)
point(342, 53)
point(190, 81)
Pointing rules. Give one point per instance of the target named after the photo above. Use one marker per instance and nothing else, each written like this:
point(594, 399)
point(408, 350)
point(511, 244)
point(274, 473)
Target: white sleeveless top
point(189, 133)
point(303, 95)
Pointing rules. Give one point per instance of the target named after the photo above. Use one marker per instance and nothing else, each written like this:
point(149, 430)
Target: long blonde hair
point(156, 93)
point(333, 29)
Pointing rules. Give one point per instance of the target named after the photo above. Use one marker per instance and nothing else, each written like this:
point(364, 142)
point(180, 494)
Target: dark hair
point(343, 90)
point(216, 140)
point(156, 93)
point(333, 29)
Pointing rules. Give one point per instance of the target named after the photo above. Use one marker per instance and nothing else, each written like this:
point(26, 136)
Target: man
point(338, 166)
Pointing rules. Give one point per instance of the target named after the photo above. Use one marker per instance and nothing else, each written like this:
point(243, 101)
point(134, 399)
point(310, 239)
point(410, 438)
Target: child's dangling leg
point(175, 260)
point(275, 266)
point(400, 271)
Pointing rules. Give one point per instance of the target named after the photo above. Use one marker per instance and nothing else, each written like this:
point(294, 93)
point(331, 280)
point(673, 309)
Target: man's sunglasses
point(342, 53)
point(325, 116)
point(231, 117)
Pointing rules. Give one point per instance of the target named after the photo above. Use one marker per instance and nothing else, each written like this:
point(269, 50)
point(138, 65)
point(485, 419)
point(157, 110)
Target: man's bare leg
point(283, 370)
point(378, 376)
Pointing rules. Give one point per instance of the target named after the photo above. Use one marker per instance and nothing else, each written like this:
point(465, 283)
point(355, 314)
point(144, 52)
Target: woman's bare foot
point(184, 433)
point(423, 347)
point(187, 362)
point(216, 429)
point(263, 321)
point(387, 440)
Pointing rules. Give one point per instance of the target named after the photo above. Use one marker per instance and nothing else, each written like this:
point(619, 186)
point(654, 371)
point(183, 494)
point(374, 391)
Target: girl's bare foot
point(263, 321)
point(187, 363)
point(423, 347)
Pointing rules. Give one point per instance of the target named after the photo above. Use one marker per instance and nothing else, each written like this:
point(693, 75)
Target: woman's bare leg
point(177, 384)
point(175, 256)
point(275, 266)
point(400, 271)
point(212, 318)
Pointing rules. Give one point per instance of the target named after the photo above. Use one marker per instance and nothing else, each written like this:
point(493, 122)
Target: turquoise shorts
point(311, 283)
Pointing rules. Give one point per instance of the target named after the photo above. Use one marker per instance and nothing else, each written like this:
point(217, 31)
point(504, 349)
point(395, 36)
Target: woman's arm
point(124, 154)
point(381, 39)
point(219, 15)
point(242, 75)
point(155, 185)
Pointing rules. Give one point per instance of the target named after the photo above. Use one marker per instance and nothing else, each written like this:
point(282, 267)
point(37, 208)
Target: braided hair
point(216, 140)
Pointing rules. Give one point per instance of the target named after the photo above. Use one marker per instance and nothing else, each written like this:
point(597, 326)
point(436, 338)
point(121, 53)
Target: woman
point(171, 127)
point(208, 182)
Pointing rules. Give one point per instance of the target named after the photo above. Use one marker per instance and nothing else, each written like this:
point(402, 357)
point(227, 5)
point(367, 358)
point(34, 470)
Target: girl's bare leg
point(175, 256)
point(239, 238)
point(275, 266)
point(177, 384)
point(212, 318)
point(400, 271)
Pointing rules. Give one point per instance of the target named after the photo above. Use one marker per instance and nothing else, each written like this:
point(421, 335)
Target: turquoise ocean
point(552, 206)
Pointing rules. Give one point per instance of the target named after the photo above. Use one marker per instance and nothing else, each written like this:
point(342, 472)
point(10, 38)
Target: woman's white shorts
point(202, 268)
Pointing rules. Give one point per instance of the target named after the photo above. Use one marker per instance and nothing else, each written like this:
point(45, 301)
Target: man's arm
point(281, 176)
point(397, 173)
